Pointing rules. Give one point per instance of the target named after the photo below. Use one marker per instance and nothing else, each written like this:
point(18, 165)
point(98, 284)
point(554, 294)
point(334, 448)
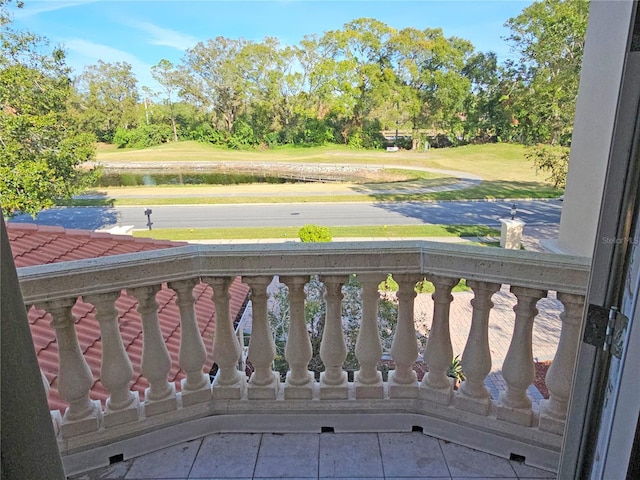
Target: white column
point(264, 382)
point(229, 383)
point(518, 369)
point(115, 371)
point(333, 350)
point(300, 382)
point(403, 381)
point(436, 385)
point(553, 412)
point(368, 380)
point(196, 387)
point(473, 396)
point(160, 396)
point(74, 375)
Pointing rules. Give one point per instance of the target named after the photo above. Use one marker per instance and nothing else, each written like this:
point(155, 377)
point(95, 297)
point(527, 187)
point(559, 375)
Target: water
point(112, 179)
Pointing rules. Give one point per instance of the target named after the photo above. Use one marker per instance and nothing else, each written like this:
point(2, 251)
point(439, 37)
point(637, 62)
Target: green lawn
point(393, 231)
point(504, 170)
point(498, 161)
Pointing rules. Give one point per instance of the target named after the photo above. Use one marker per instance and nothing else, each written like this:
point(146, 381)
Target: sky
point(143, 32)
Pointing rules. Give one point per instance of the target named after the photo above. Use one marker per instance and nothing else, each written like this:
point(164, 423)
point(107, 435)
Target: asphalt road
point(533, 212)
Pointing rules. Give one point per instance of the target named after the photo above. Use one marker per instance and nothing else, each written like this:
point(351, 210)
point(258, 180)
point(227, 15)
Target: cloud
point(165, 36)
point(96, 51)
point(82, 53)
point(35, 8)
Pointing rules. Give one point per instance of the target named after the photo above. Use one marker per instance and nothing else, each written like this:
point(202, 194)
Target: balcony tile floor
point(390, 456)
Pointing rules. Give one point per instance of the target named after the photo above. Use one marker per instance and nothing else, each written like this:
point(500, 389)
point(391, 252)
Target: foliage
point(543, 85)
point(314, 233)
point(143, 136)
point(106, 99)
point(41, 146)
point(553, 160)
point(455, 369)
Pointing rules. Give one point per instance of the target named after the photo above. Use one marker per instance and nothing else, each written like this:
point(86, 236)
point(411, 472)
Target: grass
point(393, 231)
point(503, 167)
point(499, 161)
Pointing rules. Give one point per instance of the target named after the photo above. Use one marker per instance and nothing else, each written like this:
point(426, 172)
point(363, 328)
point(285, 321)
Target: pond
point(132, 179)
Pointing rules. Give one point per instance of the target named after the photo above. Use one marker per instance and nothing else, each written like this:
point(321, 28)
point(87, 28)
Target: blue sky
point(144, 32)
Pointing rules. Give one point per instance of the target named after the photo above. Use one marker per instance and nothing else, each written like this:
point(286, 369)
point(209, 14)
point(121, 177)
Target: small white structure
point(511, 233)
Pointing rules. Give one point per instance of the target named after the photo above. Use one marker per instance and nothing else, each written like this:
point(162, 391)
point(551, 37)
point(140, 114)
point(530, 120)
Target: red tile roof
point(37, 245)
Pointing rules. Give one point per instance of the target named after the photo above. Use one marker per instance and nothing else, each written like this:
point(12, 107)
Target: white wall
point(603, 62)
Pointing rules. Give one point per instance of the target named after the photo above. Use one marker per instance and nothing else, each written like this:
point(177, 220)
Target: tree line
point(344, 86)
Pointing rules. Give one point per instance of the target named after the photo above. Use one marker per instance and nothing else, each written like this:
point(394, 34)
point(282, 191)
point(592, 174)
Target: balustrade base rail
point(483, 432)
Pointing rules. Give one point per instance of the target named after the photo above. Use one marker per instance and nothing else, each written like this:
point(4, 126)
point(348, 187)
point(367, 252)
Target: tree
point(107, 99)
point(41, 146)
point(169, 79)
point(549, 36)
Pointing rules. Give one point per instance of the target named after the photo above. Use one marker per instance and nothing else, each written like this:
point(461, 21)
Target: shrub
point(314, 233)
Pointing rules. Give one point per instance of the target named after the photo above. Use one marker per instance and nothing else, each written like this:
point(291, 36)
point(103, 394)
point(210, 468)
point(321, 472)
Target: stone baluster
point(229, 383)
point(368, 380)
point(75, 379)
point(436, 385)
point(333, 350)
point(403, 382)
point(553, 412)
point(518, 369)
point(473, 396)
point(196, 387)
point(300, 382)
point(115, 370)
point(160, 396)
point(264, 382)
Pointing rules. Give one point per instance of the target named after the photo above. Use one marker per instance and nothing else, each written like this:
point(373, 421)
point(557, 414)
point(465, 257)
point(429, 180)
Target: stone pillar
point(518, 369)
point(160, 396)
point(553, 412)
point(229, 383)
point(28, 442)
point(368, 380)
point(436, 385)
point(196, 387)
point(473, 396)
point(403, 382)
point(264, 382)
point(333, 350)
point(511, 233)
point(116, 371)
point(300, 382)
point(74, 375)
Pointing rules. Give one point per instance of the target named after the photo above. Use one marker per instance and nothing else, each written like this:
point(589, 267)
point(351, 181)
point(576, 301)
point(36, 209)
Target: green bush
point(314, 233)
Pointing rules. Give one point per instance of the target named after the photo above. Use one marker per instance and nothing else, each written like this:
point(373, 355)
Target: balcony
point(90, 434)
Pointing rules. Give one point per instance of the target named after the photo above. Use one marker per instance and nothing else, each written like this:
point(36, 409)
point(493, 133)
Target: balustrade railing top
point(101, 275)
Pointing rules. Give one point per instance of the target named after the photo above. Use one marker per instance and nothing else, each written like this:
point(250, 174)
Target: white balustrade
point(368, 380)
point(196, 387)
point(553, 412)
point(333, 350)
point(403, 381)
point(436, 385)
point(518, 369)
point(264, 382)
point(116, 371)
point(229, 383)
point(160, 396)
point(300, 381)
point(473, 396)
point(507, 419)
point(83, 415)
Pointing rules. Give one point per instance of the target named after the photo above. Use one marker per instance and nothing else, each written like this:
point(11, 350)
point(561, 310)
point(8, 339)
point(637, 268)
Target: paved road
point(330, 214)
